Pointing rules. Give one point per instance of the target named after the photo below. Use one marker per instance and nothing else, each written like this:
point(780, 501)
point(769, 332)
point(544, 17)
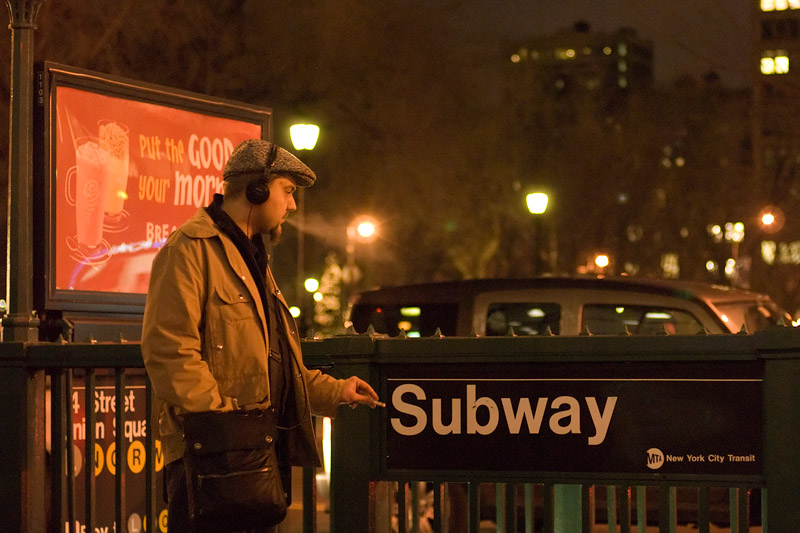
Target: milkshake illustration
point(91, 191)
point(114, 140)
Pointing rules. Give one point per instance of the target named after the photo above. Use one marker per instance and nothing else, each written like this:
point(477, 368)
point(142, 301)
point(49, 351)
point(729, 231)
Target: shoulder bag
point(232, 472)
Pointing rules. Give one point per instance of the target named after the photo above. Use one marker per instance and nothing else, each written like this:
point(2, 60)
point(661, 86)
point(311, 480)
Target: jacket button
point(268, 439)
point(244, 278)
point(218, 347)
point(277, 291)
point(241, 297)
point(197, 446)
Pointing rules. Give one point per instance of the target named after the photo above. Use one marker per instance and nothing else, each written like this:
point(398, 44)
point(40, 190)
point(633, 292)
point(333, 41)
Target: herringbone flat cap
point(259, 157)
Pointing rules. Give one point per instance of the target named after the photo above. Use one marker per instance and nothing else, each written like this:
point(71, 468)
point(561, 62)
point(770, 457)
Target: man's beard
point(275, 234)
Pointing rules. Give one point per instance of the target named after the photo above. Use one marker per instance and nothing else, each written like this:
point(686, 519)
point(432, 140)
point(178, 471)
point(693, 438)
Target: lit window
point(622, 49)
point(622, 82)
point(670, 265)
point(588, 51)
point(622, 66)
point(515, 58)
point(607, 50)
point(769, 251)
point(774, 62)
point(779, 5)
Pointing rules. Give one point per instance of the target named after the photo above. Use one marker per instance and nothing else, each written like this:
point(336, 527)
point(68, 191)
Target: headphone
point(257, 191)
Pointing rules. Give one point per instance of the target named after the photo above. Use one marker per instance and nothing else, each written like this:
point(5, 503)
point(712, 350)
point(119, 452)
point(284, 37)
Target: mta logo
point(655, 459)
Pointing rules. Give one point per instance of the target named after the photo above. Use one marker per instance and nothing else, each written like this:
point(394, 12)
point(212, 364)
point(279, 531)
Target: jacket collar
point(200, 226)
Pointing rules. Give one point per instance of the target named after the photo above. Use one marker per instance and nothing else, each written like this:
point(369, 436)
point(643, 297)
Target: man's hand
point(358, 391)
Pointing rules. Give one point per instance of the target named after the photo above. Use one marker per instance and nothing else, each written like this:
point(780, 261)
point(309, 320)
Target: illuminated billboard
point(121, 164)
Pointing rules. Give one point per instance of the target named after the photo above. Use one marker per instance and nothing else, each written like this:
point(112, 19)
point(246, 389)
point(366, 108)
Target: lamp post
point(21, 324)
point(537, 205)
point(304, 137)
point(363, 229)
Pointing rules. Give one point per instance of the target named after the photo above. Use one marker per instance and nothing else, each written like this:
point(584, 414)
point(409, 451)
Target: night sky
point(690, 36)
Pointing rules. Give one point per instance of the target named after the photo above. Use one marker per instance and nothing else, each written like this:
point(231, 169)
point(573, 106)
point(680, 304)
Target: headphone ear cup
point(257, 191)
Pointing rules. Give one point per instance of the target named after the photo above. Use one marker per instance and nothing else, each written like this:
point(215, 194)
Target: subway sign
point(663, 418)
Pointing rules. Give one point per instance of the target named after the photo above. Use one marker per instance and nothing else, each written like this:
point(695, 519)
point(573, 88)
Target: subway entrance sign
point(102, 461)
point(658, 418)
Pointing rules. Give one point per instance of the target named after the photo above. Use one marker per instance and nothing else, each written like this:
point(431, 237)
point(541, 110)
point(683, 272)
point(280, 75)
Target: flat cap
point(259, 157)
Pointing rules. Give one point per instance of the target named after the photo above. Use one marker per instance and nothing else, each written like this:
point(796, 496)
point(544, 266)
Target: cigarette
point(380, 404)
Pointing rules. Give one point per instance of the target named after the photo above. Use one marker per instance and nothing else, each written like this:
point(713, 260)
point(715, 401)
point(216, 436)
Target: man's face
point(269, 216)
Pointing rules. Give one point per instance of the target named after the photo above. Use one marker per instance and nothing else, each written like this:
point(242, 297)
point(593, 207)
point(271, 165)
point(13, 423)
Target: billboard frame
point(49, 77)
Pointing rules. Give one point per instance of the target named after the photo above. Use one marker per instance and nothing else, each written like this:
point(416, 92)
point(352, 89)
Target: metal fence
point(698, 398)
point(739, 390)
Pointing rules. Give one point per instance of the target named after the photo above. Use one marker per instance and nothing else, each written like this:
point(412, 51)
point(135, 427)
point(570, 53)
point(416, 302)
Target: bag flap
point(217, 431)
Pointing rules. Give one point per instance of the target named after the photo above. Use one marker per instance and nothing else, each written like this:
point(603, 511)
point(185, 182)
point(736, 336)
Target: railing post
point(567, 508)
point(782, 433)
point(22, 410)
point(353, 432)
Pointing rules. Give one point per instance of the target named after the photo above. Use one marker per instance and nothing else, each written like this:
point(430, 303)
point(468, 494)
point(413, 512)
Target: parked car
point(563, 306)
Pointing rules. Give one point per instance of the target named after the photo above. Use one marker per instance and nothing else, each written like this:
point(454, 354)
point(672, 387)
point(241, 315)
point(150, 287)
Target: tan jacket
point(205, 344)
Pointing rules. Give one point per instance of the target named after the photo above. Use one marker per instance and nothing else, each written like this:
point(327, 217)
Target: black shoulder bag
point(232, 472)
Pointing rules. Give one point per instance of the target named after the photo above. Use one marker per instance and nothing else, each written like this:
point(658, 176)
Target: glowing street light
point(362, 228)
point(304, 136)
point(772, 219)
point(537, 203)
point(311, 284)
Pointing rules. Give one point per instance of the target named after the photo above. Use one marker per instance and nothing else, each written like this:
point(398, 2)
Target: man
point(218, 335)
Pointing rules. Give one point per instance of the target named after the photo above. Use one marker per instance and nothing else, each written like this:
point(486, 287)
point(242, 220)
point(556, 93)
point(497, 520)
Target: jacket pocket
point(235, 343)
point(234, 305)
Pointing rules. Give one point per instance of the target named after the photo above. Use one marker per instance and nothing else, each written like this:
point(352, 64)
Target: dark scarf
point(252, 250)
point(254, 253)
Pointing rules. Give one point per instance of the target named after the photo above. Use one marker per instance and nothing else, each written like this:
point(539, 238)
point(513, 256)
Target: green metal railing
point(382, 480)
point(764, 366)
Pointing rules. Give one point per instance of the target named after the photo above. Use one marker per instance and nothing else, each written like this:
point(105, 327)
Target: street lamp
point(363, 228)
point(304, 137)
point(537, 205)
point(771, 219)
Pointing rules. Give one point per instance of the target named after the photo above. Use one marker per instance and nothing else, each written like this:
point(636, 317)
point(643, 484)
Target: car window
point(415, 320)
point(754, 315)
point(606, 319)
point(526, 318)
